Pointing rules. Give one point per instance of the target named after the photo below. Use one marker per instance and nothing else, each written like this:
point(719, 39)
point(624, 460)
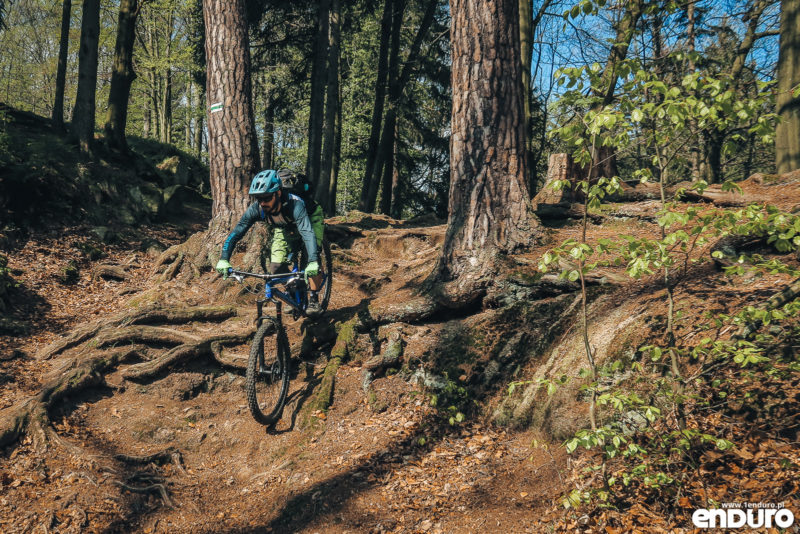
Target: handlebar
point(239, 276)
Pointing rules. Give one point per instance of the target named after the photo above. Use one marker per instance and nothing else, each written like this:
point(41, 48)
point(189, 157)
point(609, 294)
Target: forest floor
point(387, 461)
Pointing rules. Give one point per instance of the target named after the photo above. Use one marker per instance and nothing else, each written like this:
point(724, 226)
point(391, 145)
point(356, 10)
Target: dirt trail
point(378, 462)
point(179, 452)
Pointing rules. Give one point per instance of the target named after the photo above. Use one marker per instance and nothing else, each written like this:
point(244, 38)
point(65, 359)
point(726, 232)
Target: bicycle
point(268, 367)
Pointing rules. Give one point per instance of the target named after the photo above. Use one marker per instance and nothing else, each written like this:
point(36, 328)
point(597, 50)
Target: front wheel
point(268, 372)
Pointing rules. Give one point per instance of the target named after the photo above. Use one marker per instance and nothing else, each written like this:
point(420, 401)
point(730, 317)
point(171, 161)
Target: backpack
point(298, 184)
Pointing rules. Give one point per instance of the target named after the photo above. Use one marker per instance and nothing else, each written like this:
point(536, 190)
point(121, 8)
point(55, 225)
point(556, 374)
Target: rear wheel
point(268, 372)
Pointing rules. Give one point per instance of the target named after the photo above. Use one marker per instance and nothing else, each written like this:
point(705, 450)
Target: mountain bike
point(268, 366)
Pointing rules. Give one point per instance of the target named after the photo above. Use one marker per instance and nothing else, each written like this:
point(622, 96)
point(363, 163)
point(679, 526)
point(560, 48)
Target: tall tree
point(377, 109)
point(605, 162)
point(232, 146)
point(385, 168)
point(787, 136)
point(385, 164)
point(714, 138)
point(318, 82)
point(326, 196)
point(489, 211)
point(61, 73)
point(83, 114)
point(122, 76)
point(527, 26)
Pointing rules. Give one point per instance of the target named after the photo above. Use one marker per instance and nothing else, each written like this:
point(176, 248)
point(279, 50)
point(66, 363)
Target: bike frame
point(275, 295)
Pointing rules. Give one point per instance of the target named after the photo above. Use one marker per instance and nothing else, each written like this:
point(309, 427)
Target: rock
point(152, 247)
point(105, 234)
point(176, 196)
point(150, 199)
point(425, 378)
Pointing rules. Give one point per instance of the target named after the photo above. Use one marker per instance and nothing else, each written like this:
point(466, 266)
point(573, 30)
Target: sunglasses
point(265, 197)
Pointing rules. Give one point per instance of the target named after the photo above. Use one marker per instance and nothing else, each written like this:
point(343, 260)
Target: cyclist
point(293, 220)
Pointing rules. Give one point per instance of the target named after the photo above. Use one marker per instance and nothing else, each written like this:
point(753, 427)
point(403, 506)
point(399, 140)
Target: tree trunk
point(387, 134)
point(187, 123)
point(83, 114)
point(337, 156)
point(61, 73)
point(377, 109)
point(694, 149)
point(387, 160)
point(331, 110)
point(198, 134)
point(713, 147)
point(787, 135)
point(232, 146)
point(318, 79)
point(489, 211)
point(386, 156)
point(166, 109)
point(146, 122)
point(605, 160)
point(122, 76)
point(713, 170)
point(526, 55)
point(269, 132)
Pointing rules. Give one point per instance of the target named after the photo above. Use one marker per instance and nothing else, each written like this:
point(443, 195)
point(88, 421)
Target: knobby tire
point(266, 391)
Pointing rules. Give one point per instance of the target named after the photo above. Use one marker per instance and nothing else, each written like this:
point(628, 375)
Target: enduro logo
point(756, 515)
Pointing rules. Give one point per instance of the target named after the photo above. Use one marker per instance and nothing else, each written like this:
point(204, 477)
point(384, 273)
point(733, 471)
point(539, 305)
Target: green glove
point(312, 269)
point(222, 268)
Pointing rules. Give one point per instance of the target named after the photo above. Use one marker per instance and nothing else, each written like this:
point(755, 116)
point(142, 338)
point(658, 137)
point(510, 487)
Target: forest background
point(377, 75)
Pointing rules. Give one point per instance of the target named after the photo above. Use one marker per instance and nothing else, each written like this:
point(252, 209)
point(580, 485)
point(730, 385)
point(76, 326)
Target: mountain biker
point(293, 220)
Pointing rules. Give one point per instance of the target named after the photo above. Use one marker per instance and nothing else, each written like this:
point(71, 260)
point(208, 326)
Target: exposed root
point(157, 488)
point(166, 257)
point(143, 334)
point(170, 454)
point(196, 348)
point(173, 269)
point(411, 311)
point(182, 315)
point(145, 316)
point(72, 340)
point(109, 271)
point(31, 415)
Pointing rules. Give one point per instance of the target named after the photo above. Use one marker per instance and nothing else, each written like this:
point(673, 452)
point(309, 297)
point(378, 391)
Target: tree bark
point(489, 211)
point(61, 73)
point(318, 79)
point(605, 161)
point(165, 108)
point(269, 131)
point(787, 135)
point(324, 198)
point(397, 84)
point(398, 7)
point(713, 149)
point(83, 114)
point(377, 109)
point(337, 156)
point(122, 76)
point(232, 146)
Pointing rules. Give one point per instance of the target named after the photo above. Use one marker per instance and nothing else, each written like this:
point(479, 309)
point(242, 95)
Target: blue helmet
point(265, 182)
